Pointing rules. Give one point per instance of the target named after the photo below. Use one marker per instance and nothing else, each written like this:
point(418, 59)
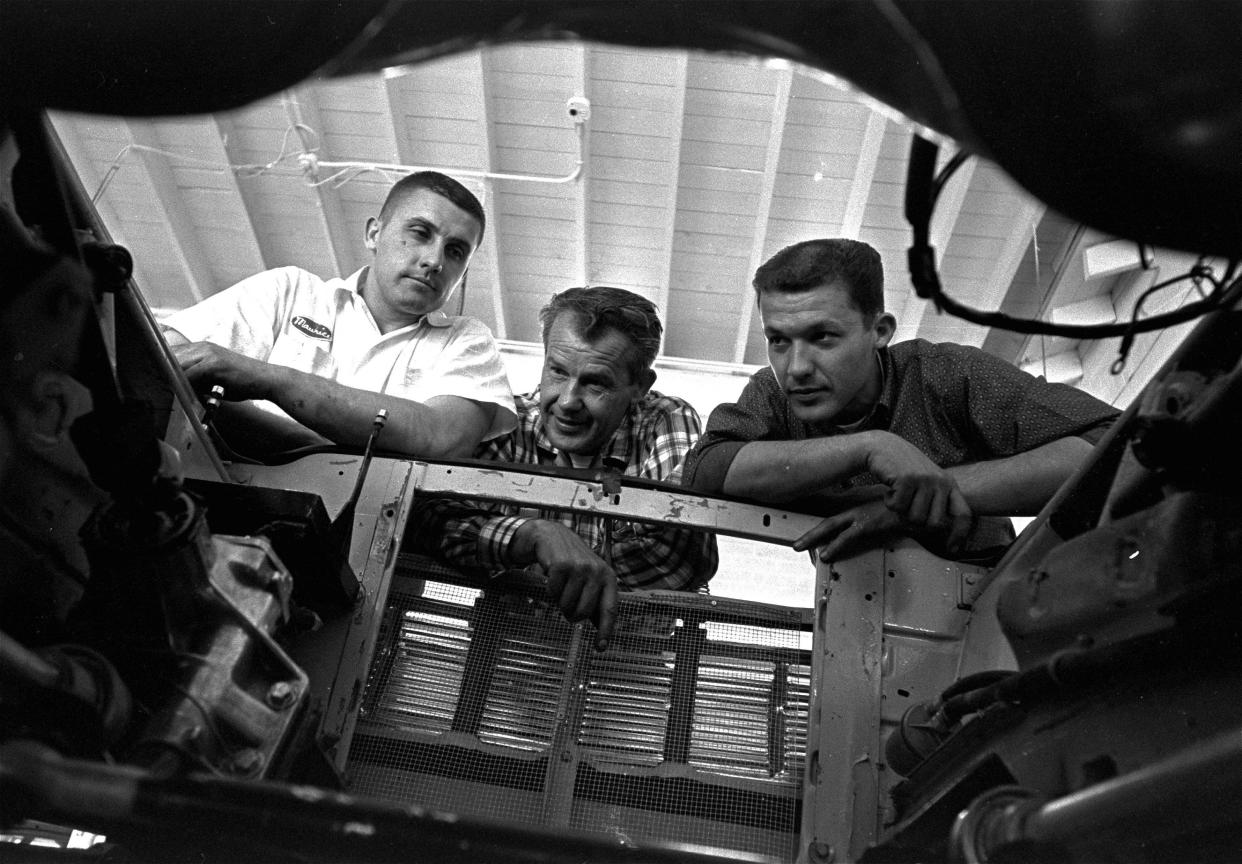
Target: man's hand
point(873, 524)
point(207, 364)
point(860, 527)
point(864, 518)
point(579, 581)
point(923, 495)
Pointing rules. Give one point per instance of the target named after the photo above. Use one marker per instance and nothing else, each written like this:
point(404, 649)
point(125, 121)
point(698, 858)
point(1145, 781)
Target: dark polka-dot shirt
point(955, 403)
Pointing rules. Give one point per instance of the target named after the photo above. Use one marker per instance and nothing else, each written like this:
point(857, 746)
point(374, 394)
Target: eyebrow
point(603, 376)
point(817, 326)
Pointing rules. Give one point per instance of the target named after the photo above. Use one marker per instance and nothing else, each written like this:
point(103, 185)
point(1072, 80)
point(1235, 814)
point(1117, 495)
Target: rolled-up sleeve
point(473, 536)
point(468, 365)
point(761, 413)
point(244, 318)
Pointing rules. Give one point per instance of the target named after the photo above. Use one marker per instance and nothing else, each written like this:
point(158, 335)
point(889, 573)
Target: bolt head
point(281, 695)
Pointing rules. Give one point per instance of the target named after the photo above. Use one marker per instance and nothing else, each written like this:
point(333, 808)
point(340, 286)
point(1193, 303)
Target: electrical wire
point(309, 163)
point(923, 186)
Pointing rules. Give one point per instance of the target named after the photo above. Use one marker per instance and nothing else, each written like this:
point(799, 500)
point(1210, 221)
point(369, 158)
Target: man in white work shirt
point(323, 356)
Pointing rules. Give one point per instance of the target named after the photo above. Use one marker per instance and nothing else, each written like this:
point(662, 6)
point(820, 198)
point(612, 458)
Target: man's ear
point(372, 231)
point(645, 380)
point(884, 326)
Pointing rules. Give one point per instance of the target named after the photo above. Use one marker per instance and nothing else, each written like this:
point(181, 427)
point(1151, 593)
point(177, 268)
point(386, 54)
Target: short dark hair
point(601, 308)
point(441, 184)
point(812, 263)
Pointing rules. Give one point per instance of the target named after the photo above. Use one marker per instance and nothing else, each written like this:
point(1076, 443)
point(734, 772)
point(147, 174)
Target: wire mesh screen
point(691, 727)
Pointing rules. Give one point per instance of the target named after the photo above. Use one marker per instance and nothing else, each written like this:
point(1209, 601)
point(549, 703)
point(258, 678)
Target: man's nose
point(799, 360)
point(433, 258)
point(570, 397)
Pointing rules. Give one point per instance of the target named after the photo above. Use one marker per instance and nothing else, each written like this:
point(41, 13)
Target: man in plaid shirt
point(594, 410)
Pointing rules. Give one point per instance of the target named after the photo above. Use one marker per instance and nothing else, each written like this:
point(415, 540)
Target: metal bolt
point(821, 852)
point(247, 762)
point(281, 695)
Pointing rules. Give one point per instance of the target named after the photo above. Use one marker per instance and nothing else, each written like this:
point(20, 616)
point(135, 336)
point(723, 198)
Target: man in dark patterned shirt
point(929, 440)
point(594, 409)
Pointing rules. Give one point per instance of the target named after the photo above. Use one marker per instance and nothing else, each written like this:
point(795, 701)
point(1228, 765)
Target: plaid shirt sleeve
point(662, 556)
point(473, 536)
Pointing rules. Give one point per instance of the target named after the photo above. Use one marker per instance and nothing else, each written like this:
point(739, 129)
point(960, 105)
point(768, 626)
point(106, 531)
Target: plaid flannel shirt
point(650, 443)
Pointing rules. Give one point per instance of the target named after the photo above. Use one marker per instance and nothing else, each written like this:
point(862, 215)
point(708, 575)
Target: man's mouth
point(425, 283)
point(569, 427)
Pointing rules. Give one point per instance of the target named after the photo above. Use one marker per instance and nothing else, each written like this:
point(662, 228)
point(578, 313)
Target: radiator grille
point(690, 728)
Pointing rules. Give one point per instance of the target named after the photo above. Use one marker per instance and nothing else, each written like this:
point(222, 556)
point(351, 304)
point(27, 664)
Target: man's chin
point(568, 444)
point(813, 414)
point(421, 308)
point(573, 445)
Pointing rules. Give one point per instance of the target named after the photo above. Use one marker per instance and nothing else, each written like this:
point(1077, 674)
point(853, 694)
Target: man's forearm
point(249, 429)
point(778, 471)
point(1020, 485)
point(346, 415)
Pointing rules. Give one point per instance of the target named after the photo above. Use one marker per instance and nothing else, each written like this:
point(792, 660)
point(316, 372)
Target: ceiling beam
point(681, 63)
point(864, 174)
point(226, 135)
point(759, 242)
point(1091, 311)
point(1000, 281)
point(1150, 350)
point(480, 86)
point(1062, 368)
point(69, 132)
point(1019, 239)
point(398, 134)
point(170, 202)
point(1067, 277)
point(1110, 258)
point(302, 108)
point(944, 219)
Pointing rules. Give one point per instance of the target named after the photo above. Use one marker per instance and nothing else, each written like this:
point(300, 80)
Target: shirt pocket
point(303, 354)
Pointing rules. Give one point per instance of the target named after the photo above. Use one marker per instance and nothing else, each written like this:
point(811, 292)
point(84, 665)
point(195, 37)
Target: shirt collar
point(437, 319)
point(883, 408)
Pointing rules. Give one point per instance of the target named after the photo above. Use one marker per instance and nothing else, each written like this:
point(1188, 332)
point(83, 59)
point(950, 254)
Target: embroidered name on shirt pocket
point(311, 328)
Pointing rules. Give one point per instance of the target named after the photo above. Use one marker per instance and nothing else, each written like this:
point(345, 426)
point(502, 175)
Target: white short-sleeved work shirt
point(291, 317)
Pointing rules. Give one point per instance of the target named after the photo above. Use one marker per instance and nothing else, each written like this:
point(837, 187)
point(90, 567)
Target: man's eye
point(456, 253)
point(777, 341)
